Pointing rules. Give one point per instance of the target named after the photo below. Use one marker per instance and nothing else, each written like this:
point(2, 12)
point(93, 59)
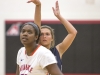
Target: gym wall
point(83, 56)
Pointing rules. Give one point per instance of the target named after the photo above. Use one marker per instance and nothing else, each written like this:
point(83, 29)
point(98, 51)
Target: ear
point(36, 37)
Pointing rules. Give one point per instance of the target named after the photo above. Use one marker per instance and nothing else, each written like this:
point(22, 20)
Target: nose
point(25, 33)
point(44, 36)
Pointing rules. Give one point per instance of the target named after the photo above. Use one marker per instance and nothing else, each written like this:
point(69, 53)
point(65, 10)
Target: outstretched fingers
point(56, 10)
point(53, 9)
point(57, 5)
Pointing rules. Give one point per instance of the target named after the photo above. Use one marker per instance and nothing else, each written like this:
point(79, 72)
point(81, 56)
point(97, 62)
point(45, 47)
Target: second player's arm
point(65, 44)
point(37, 16)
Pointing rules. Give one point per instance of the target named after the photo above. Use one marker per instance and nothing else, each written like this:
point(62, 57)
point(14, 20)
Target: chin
point(45, 45)
point(24, 43)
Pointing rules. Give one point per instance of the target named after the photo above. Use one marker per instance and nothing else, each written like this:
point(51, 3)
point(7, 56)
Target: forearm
point(37, 16)
point(69, 27)
point(17, 70)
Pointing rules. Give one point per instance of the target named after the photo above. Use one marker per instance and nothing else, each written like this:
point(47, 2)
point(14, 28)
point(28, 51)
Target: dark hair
point(37, 30)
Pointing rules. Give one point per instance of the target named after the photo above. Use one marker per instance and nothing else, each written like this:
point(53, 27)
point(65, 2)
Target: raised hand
point(36, 2)
point(56, 10)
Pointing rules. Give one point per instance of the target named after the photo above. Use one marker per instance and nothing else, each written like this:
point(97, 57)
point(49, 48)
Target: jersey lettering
point(26, 67)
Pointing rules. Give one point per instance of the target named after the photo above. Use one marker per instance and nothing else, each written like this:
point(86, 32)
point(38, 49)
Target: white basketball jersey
point(36, 63)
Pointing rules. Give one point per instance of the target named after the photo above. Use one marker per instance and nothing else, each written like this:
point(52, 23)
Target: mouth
point(44, 40)
point(24, 39)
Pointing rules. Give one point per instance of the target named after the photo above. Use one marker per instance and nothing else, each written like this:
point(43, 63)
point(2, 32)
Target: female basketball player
point(34, 59)
point(47, 35)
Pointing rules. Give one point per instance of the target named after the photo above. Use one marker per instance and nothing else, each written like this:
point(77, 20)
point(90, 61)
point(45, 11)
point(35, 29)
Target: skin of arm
point(53, 69)
point(37, 15)
point(65, 44)
point(17, 70)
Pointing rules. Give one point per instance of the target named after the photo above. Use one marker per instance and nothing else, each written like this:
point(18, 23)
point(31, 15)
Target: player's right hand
point(36, 2)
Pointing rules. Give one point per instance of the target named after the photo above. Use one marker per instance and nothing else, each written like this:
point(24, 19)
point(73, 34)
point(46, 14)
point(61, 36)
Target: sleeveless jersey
point(56, 54)
point(36, 63)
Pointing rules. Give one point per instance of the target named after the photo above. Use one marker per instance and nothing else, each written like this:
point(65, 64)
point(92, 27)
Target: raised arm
point(65, 44)
point(37, 15)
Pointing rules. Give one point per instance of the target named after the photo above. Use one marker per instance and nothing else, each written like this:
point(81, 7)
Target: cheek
point(31, 37)
point(40, 38)
point(20, 35)
point(49, 38)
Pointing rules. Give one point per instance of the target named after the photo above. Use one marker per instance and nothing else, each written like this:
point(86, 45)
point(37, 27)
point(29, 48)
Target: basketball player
point(34, 59)
point(47, 35)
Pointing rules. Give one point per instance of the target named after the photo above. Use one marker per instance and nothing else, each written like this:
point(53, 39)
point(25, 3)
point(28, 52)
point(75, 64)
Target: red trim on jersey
point(34, 50)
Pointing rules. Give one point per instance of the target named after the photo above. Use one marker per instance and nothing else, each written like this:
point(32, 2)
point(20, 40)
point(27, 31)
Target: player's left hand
point(56, 10)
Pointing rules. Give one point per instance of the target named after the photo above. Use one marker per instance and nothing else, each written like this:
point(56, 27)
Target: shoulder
point(46, 54)
point(22, 49)
point(43, 50)
point(54, 49)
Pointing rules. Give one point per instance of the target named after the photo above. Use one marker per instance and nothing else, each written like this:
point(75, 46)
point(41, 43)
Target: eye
point(47, 34)
point(29, 32)
point(41, 34)
point(22, 31)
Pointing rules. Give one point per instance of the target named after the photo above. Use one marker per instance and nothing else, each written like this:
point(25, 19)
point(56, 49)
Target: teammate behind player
point(47, 35)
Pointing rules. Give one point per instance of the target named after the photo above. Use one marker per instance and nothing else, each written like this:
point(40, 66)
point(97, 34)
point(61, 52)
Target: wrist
point(58, 16)
point(38, 4)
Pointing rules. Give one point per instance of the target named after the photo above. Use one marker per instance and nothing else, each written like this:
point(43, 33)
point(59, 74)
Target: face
point(27, 35)
point(46, 37)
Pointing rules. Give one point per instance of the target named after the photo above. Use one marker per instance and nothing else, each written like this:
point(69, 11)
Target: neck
point(48, 47)
point(30, 48)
